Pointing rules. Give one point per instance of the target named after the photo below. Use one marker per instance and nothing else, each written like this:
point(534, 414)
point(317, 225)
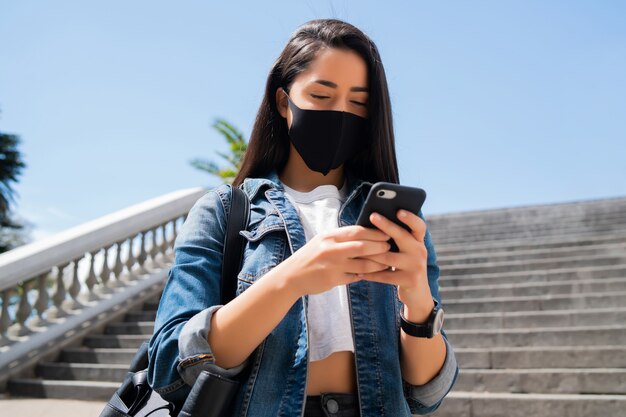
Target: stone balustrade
point(50, 287)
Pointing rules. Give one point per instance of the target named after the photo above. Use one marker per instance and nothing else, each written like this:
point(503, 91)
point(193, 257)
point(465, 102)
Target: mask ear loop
point(286, 94)
point(288, 99)
point(290, 102)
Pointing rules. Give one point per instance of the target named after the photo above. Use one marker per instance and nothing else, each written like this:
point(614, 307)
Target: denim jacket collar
point(272, 180)
point(348, 212)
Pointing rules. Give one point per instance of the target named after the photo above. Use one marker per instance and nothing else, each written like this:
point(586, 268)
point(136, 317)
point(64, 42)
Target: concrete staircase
point(94, 368)
point(536, 309)
point(535, 301)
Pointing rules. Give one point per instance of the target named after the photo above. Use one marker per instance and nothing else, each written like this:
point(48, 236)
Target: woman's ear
point(281, 102)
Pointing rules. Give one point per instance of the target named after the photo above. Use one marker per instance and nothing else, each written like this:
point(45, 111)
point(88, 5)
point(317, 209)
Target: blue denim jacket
point(275, 376)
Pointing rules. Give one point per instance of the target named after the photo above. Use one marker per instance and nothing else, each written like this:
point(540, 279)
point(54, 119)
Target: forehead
point(344, 67)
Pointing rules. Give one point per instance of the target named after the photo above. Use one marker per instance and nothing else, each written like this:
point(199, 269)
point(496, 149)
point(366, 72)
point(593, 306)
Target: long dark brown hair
point(268, 147)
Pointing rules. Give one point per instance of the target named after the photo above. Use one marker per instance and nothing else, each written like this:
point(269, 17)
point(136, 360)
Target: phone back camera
point(386, 194)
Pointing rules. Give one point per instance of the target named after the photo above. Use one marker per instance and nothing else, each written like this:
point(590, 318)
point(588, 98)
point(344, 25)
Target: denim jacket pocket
point(264, 249)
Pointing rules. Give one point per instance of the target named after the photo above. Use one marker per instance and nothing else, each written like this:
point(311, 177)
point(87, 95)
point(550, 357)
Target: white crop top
point(328, 314)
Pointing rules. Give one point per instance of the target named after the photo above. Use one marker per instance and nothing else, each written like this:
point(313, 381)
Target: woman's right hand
point(332, 258)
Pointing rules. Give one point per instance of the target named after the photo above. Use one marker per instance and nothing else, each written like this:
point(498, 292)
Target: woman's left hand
point(410, 274)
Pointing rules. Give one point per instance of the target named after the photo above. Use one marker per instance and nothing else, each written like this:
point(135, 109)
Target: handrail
point(38, 257)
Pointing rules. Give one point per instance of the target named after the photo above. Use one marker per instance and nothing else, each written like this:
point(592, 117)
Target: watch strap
point(419, 329)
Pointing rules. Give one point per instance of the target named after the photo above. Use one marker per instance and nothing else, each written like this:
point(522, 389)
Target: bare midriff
point(334, 373)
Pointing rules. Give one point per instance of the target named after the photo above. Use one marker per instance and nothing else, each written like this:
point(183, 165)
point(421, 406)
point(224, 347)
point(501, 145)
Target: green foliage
point(11, 165)
point(237, 148)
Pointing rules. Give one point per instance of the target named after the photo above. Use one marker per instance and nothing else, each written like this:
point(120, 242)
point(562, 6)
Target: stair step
point(115, 341)
point(496, 404)
point(466, 221)
point(539, 264)
point(493, 238)
point(535, 288)
point(535, 319)
point(545, 381)
point(82, 371)
point(41, 388)
point(528, 229)
point(514, 245)
point(530, 226)
point(133, 328)
point(550, 336)
point(135, 316)
point(614, 249)
point(151, 306)
point(569, 212)
point(536, 302)
point(97, 355)
point(541, 232)
point(542, 357)
point(564, 274)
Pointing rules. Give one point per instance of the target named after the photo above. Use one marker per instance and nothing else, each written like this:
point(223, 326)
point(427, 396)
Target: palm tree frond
point(237, 148)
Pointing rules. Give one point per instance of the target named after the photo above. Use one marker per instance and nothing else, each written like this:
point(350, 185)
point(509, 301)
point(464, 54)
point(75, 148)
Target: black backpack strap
point(234, 243)
point(135, 394)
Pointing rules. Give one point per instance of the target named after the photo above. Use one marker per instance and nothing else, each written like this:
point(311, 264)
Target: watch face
point(438, 322)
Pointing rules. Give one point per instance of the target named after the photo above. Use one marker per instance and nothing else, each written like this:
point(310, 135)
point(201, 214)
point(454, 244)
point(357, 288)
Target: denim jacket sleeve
point(425, 399)
point(179, 348)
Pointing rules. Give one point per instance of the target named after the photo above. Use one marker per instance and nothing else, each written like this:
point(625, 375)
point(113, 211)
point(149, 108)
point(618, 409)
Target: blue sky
point(495, 103)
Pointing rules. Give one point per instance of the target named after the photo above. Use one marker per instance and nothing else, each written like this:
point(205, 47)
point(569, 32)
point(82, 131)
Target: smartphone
point(387, 198)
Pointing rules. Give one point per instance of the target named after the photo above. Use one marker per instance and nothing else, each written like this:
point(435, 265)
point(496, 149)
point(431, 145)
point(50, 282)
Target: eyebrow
point(333, 85)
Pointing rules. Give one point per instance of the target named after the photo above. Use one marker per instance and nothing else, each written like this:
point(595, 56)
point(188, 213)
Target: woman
point(315, 327)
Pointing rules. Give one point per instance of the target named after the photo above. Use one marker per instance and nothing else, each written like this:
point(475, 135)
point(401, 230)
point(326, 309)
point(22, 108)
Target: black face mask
point(325, 139)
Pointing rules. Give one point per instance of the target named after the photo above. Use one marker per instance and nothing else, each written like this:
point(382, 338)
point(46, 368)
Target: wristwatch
point(429, 329)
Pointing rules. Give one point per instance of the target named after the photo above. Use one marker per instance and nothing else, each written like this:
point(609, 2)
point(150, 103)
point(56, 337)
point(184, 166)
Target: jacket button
point(332, 405)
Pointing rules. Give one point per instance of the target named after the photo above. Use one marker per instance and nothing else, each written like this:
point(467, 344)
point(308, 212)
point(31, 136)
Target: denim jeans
point(332, 404)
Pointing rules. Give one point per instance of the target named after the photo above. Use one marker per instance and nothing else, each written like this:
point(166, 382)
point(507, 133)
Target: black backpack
point(212, 394)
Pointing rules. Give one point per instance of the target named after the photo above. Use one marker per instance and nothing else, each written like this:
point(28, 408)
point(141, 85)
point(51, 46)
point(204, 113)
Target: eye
point(325, 97)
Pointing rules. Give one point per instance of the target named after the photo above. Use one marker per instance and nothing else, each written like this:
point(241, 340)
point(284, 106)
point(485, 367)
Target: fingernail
point(402, 213)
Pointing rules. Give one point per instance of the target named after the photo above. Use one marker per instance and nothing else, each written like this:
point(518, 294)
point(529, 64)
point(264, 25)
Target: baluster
point(163, 246)
point(105, 273)
point(74, 289)
point(141, 258)
point(119, 266)
point(171, 254)
point(168, 243)
point(154, 249)
point(172, 241)
point(41, 304)
point(57, 311)
point(130, 261)
point(5, 320)
point(91, 281)
point(23, 311)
